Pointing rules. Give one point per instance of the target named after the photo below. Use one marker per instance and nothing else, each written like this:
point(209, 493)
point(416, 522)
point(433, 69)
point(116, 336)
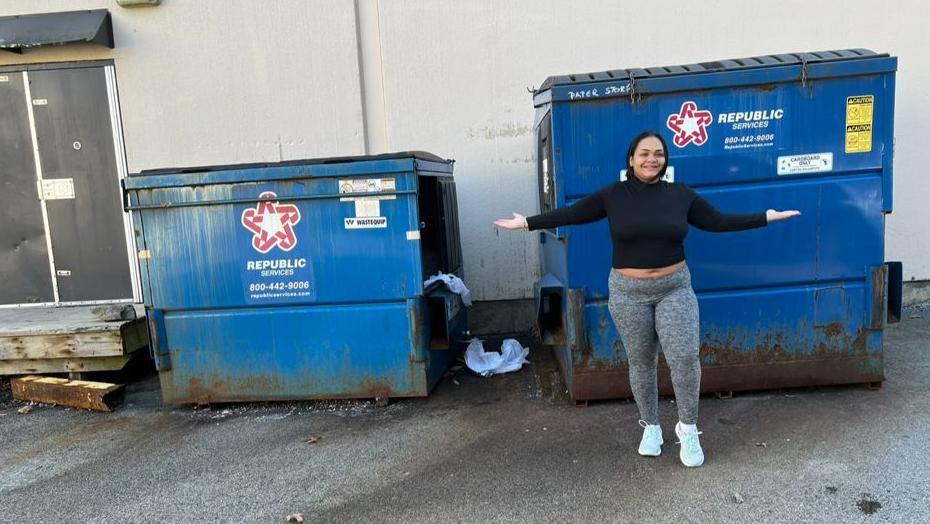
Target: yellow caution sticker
point(859, 123)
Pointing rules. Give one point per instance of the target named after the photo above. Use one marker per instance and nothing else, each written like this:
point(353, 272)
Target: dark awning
point(71, 27)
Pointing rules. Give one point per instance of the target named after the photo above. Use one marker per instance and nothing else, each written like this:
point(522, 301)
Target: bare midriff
point(657, 272)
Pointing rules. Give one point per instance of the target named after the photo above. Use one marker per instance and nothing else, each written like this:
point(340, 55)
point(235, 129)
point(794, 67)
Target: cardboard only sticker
point(806, 163)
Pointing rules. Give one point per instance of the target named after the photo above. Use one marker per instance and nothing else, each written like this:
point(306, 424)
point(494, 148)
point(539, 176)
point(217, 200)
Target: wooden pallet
point(66, 340)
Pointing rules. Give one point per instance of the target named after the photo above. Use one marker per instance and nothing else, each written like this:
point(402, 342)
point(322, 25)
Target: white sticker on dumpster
point(366, 223)
point(367, 185)
point(807, 163)
point(367, 207)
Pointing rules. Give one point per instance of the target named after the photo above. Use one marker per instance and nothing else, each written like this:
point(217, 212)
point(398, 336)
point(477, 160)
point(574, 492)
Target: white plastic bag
point(454, 284)
point(511, 358)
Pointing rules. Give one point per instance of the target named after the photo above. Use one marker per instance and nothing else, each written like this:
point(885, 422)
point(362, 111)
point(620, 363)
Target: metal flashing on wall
point(70, 27)
point(119, 146)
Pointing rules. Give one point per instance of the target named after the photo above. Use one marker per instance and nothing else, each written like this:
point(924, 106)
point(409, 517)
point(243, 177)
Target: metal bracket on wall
point(57, 189)
point(137, 3)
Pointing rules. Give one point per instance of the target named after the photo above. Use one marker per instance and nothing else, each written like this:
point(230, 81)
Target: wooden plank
point(132, 335)
point(55, 320)
point(62, 365)
point(66, 345)
point(135, 335)
point(82, 394)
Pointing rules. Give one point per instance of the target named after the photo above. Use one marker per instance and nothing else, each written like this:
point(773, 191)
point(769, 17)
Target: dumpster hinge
point(158, 342)
point(803, 71)
point(633, 94)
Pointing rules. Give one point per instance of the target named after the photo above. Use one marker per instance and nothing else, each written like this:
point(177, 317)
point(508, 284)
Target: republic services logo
point(271, 223)
point(690, 124)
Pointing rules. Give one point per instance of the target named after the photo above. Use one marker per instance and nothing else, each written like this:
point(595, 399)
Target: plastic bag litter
point(511, 358)
point(454, 284)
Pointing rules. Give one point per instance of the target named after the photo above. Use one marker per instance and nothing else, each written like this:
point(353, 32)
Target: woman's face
point(648, 159)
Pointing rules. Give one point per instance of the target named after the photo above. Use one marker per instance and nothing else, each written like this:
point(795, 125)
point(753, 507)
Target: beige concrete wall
point(466, 66)
point(216, 81)
point(228, 81)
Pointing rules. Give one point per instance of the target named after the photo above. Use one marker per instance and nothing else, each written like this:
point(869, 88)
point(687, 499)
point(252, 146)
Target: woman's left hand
point(774, 216)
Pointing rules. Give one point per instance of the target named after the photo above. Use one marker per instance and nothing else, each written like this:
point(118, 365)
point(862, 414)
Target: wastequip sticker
point(365, 223)
point(268, 274)
point(367, 208)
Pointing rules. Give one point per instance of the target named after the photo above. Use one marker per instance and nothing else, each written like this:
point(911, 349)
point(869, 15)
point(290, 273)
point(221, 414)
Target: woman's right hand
point(517, 222)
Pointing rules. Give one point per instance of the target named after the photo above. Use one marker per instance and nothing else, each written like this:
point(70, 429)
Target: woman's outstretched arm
point(589, 209)
point(703, 215)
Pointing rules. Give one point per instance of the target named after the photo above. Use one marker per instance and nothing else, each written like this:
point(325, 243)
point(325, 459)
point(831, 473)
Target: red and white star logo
point(271, 223)
point(690, 124)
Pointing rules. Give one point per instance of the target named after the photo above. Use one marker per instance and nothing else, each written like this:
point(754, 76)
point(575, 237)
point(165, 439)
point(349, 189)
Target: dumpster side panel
point(348, 351)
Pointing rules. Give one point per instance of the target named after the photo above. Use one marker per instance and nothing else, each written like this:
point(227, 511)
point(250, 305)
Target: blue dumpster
point(800, 303)
point(299, 279)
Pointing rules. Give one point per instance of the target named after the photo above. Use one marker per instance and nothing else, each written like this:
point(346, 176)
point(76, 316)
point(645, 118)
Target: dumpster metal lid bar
point(618, 80)
point(20, 32)
point(416, 155)
point(710, 80)
point(285, 171)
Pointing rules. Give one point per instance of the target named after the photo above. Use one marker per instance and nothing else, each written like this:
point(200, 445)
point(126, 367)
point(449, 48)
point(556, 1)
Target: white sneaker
point(651, 444)
point(691, 453)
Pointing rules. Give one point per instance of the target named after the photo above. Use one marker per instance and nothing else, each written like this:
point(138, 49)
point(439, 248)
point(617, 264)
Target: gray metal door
point(75, 140)
point(25, 273)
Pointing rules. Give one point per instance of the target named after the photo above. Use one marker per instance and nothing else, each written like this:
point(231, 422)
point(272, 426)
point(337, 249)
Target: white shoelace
point(691, 441)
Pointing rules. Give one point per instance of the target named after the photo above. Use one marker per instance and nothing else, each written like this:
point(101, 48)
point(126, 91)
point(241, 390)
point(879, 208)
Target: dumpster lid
point(69, 27)
point(623, 78)
point(417, 155)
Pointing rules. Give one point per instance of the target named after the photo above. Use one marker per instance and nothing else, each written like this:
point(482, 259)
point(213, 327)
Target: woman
point(650, 286)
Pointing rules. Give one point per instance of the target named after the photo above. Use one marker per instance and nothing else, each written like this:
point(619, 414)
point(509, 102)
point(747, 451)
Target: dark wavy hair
point(632, 149)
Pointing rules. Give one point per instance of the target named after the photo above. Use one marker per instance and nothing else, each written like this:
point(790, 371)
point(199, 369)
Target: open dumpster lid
point(753, 70)
point(70, 27)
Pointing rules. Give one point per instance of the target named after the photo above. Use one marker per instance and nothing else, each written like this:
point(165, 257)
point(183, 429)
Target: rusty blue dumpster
point(301, 279)
point(801, 303)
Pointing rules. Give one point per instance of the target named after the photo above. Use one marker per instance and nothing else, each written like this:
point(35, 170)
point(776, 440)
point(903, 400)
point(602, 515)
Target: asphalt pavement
point(510, 448)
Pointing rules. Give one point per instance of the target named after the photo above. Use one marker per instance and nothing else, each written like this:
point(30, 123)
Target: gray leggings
point(665, 310)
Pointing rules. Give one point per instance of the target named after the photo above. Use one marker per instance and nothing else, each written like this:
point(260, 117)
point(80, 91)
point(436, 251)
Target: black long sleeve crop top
point(648, 222)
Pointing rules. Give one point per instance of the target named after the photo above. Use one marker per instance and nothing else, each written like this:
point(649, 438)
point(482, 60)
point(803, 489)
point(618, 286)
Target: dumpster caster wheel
point(382, 402)
point(581, 403)
point(874, 386)
point(723, 395)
